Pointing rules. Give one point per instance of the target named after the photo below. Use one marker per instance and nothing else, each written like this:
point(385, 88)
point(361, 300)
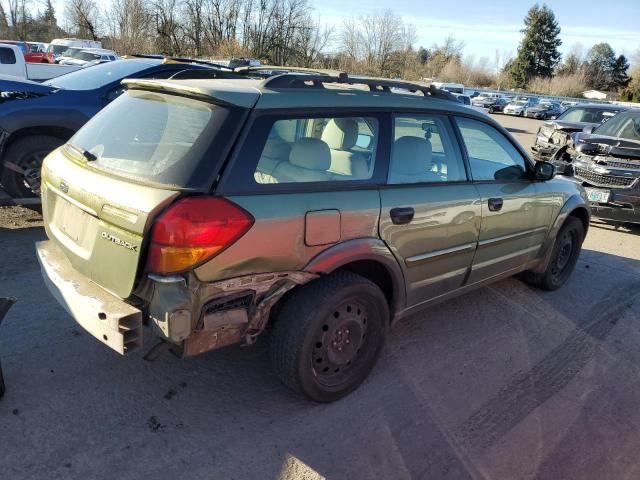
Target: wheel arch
point(62, 133)
point(370, 258)
point(576, 207)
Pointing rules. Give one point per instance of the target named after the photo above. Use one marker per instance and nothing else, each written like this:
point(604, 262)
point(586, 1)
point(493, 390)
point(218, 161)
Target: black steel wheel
point(328, 335)
point(564, 257)
point(22, 163)
point(339, 342)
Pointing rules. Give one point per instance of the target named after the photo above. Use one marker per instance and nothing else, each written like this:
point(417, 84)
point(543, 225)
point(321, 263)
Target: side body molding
point(574, 203)
point(360, 249)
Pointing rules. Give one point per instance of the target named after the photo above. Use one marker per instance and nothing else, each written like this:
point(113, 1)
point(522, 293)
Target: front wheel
point(564, 257)
point(328, 336)
point(22, 163)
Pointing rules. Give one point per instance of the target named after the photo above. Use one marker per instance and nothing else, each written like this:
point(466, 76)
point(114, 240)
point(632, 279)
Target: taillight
point(193, 230)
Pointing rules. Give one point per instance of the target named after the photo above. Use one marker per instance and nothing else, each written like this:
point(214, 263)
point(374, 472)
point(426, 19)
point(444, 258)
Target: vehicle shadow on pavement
point(505, 382)
point(631, 228)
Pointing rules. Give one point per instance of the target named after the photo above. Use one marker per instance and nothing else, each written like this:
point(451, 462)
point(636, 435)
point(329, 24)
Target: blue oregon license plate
point(598, 196)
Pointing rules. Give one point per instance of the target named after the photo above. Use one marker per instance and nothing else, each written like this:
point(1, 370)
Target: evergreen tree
point(600, 65)
point(538, 52)
point(619, 76)
point(49, 22)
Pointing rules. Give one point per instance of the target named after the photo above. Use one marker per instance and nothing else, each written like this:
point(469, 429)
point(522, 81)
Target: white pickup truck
point(12, 63)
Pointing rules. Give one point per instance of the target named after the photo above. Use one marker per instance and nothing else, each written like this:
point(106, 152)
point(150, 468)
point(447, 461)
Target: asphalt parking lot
point(507, 382)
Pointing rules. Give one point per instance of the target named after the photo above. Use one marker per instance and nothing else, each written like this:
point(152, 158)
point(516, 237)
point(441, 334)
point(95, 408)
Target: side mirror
point(544, 171)
point(588, 130)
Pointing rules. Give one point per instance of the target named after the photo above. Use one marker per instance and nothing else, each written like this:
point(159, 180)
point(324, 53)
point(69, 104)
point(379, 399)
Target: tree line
point(538, 60)
point(286, 32)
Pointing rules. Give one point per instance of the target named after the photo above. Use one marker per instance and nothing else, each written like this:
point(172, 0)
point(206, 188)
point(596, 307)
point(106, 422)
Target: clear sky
point(485, 26)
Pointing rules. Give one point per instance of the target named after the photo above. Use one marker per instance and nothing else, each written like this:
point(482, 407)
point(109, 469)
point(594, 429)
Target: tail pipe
point(5, 305)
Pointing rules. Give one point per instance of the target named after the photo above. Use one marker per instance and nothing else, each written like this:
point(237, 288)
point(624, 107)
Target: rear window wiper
point(90, 157)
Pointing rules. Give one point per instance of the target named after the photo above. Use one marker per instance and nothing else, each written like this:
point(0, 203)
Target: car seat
point(412, 161)
point(309, 160)
point(341, 135)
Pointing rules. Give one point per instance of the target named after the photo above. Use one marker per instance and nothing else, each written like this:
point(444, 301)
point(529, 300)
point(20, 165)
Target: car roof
point(262, 94)
point(97, 50)
point(601, 106)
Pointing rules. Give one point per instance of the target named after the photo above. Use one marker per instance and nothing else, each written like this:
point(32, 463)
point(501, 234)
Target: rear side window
point(156, 138)
point(7, 57)
point(423, 150)
point(491, 155)
point(326, 149)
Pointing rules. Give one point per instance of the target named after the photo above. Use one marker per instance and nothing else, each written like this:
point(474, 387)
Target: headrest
point(310, 153)
point(411, 155)
point(285, 129)
point(341, 133)
point(276, 148)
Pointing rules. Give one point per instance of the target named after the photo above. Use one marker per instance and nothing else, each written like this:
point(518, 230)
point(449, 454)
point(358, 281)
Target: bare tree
point(194, 15)
point(19, 18)
point(221, 21)
point(84, 18)
point(314, 38)
point(131, 26)
point(168, 28)
point(4, 22)
point(350, 45)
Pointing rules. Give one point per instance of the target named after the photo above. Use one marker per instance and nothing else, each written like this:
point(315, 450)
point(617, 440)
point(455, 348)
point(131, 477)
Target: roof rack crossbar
point(295, 80)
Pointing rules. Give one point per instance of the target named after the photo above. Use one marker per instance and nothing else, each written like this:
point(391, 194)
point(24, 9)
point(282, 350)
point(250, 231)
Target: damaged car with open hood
point(606, 161)
point(555, 134)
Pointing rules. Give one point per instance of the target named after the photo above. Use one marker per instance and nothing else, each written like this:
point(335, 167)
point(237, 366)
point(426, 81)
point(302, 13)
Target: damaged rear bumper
point(194, 316)
point(105, 316)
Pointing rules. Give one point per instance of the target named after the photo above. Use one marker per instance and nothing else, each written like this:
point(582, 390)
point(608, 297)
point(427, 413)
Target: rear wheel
point(564, 257)
point(22, 163)
point(328, 336)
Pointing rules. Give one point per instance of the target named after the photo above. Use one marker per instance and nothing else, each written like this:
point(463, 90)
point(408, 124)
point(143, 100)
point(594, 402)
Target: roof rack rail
point(311, 80)
point(180, 60)
point(270, 69)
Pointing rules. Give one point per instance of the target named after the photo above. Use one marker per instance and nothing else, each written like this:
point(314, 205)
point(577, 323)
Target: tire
point(27, 154)
point(564, 257)
point(328, 336)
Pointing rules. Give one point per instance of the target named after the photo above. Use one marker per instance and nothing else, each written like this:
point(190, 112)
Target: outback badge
point(119, 241)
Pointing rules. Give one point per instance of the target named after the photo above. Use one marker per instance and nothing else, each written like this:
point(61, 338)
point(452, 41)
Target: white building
point(595, 95)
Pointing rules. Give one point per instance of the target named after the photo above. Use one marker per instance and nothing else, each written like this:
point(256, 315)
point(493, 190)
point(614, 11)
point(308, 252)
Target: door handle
point(495, 204)
point(402, 215)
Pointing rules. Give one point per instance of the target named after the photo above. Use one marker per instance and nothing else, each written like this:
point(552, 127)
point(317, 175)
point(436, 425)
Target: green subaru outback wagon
point(324, 207)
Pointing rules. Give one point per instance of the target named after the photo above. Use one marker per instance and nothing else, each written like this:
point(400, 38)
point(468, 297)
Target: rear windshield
point(624, 125)
point(56, 49)
point(156, 138)
point(587, 115)
point(98, 76)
